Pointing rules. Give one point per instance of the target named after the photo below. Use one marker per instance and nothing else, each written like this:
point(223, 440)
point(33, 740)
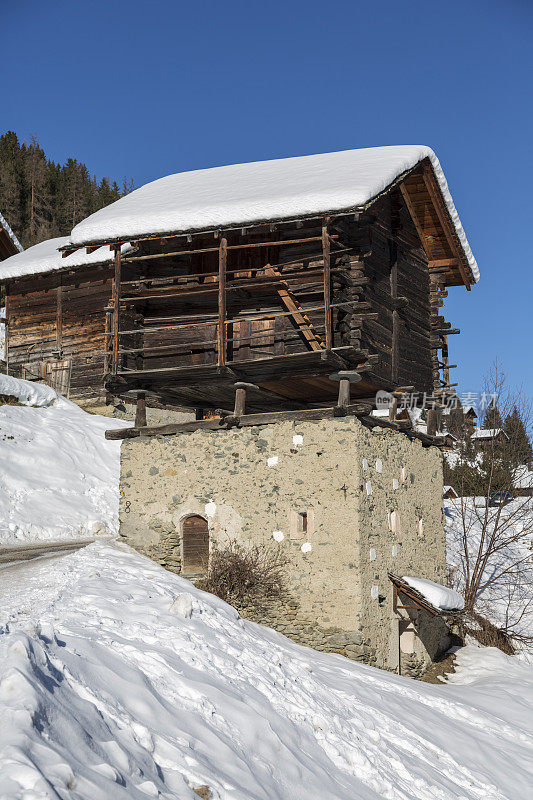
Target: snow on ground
point(121, 680)
point(262, 190)
point(60, 476)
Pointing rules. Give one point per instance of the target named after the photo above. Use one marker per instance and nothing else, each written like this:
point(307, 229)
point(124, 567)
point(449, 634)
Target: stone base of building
point(346, 504)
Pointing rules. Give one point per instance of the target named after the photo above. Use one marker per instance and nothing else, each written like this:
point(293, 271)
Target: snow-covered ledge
point(439, 596)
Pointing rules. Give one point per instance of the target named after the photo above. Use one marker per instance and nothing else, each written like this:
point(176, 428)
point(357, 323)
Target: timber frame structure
point(282, 304)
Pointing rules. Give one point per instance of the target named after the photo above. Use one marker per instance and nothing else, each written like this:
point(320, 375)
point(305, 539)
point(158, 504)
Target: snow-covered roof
point(466, 410)
point(10, 233)
point(45, 257)
point(487, 433)
point(380, 412)
point(446, 489)
point(263, 190)
point(439, 596)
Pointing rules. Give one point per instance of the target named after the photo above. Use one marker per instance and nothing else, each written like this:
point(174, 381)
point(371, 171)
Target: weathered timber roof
point(9, 244)
point(244, 194)
point(46, 257)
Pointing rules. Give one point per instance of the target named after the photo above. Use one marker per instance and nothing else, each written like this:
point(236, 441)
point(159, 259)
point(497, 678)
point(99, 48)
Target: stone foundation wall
point(254, 485)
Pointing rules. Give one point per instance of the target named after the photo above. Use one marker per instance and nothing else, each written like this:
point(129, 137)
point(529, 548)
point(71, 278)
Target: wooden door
point(57, 375)
point(195, 545)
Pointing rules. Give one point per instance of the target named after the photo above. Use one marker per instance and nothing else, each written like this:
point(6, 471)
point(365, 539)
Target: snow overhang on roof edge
point(5, 226)
point(183, 203)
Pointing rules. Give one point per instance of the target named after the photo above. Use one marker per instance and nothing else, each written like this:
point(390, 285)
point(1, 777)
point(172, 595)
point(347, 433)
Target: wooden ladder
point(299, 316)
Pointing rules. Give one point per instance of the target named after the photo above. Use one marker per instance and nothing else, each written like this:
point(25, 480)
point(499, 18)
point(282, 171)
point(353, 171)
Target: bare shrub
point(495, 569)
point(9, 400)
point(237, 573)
point(486, 633)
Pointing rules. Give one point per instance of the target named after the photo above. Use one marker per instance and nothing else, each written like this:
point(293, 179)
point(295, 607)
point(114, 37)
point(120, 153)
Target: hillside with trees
point(40, 198)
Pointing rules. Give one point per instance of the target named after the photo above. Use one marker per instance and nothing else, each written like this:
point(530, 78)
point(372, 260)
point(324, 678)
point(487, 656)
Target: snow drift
point(60, 476)
point(120, 680)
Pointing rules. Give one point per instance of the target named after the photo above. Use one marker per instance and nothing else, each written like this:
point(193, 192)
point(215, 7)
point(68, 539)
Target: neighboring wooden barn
point(281, 273)
point(56, 316)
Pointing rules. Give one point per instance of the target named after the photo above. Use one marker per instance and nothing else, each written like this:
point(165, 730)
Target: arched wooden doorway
point(195, 545)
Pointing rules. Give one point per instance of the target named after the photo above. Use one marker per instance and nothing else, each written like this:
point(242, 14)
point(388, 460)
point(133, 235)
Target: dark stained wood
point(116, 312)
point(327, 284)
point(195, 545)
point(221, 330)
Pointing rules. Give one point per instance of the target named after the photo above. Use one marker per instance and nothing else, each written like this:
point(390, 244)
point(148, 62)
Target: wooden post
point(393, 409)
point(240, 397)
point(6, 329)
point(140, 411)
point(116, 313)
point(59, 316)
point(345, 378)
point(432, 422)
point(395, 349)
point(327, 284)
point(221, 332)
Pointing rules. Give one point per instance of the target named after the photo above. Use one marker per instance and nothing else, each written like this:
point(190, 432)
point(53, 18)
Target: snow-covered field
point(59, 475)
point(120, 680)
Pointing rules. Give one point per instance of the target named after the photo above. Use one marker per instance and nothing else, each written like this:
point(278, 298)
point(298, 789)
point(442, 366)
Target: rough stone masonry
point(346, 504)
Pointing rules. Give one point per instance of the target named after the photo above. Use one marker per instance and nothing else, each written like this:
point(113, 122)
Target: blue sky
point(147, 89)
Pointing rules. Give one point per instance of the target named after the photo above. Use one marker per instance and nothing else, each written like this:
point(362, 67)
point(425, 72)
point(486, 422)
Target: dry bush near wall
point(8, 400)
point(486, 633)
point(237, 573)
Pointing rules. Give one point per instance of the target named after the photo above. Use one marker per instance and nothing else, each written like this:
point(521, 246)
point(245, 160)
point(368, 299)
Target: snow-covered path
point(124, 681)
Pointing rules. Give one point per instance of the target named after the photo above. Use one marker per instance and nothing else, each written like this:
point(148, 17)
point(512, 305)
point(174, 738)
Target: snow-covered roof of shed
point(263, 190)
point(45, 257)
point(487, 433)
point(10, 233)
point(439, 596)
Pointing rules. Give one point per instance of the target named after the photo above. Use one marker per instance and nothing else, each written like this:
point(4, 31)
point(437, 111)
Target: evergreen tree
point(41, 199)
point(520, 444)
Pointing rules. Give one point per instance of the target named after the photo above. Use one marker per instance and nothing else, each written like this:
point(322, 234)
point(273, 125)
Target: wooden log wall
point(380, 296)
point(60, 317)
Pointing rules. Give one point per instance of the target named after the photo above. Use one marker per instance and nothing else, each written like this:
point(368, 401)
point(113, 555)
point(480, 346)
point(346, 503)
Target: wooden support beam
point(116, 311)
point(395, 337)
point(327, 283)
point(247, 420)
point(140, 411)
point(221, 331)
point(445, 221)
point(59, 317)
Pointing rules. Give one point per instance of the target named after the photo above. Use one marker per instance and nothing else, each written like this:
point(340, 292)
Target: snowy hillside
point(120, 680)
point(59, 476)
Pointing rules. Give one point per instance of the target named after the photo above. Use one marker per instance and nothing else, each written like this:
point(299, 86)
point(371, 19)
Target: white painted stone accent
point(210, 509)
point(272, 461)
point(278, 536)
point(379, 465)
point(306, 547)
point(372, 554)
